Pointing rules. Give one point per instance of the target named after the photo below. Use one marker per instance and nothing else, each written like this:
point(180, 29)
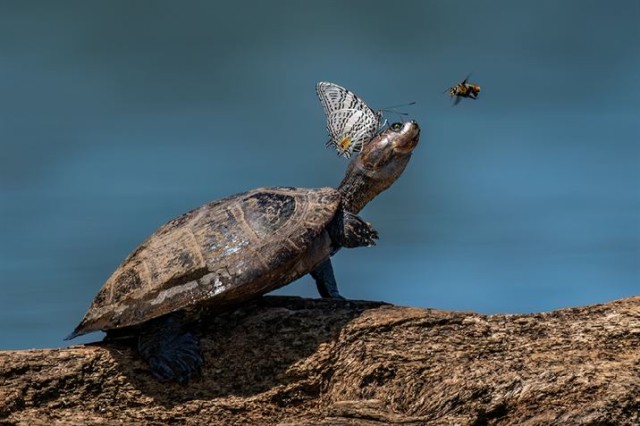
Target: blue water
point(117, 116)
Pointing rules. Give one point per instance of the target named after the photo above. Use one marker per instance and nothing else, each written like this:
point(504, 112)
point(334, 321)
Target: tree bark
point(292, 361)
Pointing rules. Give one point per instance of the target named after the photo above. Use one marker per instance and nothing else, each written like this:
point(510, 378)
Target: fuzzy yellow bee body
point(464, 90)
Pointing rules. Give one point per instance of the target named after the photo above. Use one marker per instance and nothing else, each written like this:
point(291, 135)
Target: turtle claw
point(361, 233)
point(160, 369)
point(371, 236)
point(349, 230)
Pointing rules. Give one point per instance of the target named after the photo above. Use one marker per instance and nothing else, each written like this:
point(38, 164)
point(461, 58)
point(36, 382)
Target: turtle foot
point(356, 232)
point(172, 355)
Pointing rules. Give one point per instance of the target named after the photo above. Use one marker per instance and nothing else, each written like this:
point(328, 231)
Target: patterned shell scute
point(230, 246)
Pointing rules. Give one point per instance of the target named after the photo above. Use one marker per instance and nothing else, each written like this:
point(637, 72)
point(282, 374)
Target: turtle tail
point(74, 334)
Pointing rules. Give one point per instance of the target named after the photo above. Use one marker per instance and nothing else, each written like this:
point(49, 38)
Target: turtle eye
point(396, 127)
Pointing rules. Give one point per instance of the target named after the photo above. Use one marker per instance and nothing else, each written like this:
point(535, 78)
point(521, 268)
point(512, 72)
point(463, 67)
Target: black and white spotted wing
point(350, 122)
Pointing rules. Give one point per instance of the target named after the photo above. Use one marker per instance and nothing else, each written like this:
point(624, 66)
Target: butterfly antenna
point(394, 109)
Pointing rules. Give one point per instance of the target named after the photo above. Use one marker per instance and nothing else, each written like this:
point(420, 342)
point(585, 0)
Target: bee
point(463, 90)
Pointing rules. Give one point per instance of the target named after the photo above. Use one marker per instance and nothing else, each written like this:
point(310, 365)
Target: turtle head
point(381, 161)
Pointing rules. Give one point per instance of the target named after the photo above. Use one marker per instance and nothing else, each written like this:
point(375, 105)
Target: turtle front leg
point(171, 353)
point(349, 230)
point(346, 230)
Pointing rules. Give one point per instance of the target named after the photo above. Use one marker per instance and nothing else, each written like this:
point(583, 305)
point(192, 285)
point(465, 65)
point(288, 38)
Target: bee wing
point(350, 121)
point(465, 80)
point(457, 100)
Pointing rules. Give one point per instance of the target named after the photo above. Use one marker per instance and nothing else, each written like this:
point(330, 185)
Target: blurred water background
point(117, 116)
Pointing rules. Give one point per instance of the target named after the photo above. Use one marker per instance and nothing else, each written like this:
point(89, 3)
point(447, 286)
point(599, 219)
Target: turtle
point(237, 248)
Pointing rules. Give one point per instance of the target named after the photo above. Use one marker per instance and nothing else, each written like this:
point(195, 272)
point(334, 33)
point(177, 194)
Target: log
point(292, 361)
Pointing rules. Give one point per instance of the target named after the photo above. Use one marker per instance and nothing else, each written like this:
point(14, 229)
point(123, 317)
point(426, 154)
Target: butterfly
point(350, 121)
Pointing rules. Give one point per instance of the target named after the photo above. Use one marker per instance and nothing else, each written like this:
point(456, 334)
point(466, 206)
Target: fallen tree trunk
point(292, 361)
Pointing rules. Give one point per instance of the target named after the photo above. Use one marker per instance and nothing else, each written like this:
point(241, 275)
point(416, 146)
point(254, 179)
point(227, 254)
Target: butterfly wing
point(332, 96)
point(350, 129)
point(350, 121)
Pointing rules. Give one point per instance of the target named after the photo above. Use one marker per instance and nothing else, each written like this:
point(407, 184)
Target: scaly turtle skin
point(237, 248)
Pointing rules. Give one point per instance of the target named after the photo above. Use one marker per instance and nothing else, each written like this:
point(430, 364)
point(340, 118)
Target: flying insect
point(463, 90)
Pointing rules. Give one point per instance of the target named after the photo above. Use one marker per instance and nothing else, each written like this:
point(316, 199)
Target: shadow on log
point(292, 361)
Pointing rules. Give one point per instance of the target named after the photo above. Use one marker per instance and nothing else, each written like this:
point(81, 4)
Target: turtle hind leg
point(349, 230)
point(326, 280)
point(171, 353)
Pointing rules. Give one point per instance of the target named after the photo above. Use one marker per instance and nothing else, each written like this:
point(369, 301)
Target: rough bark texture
point(294, 361)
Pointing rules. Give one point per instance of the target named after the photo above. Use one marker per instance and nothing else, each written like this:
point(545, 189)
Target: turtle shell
point(224, 252)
